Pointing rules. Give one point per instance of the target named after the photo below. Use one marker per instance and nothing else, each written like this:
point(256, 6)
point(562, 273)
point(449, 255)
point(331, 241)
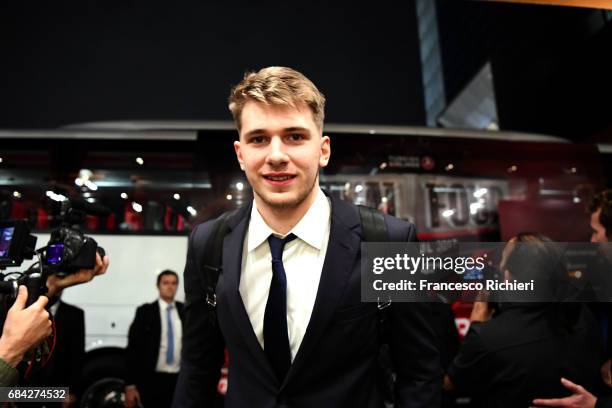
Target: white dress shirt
point(303, 262)
point(177, 331)
point(54, 307)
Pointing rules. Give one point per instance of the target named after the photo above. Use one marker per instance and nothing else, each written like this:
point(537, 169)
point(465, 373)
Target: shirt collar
point(311, 228)
point(163, 305)
point(54, 307)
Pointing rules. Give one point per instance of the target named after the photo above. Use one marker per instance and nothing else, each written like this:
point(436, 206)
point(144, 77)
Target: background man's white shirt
point(177, 330)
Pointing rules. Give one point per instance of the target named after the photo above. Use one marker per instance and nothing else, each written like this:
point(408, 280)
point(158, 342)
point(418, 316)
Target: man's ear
point(239, 154)
point(325, 151)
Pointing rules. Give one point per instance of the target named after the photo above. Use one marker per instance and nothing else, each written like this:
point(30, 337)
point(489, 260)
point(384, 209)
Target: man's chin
point(282, 200)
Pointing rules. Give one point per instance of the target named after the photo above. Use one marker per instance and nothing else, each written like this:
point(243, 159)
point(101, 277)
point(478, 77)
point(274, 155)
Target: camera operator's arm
point(24, 328)
point(56, 284)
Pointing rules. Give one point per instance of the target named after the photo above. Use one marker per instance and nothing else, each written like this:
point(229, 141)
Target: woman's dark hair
point(535, 256)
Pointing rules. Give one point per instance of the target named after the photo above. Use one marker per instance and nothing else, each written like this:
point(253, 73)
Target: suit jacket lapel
point(232, 265)
point(342, 251)
point(156, 324)
point(179, 309)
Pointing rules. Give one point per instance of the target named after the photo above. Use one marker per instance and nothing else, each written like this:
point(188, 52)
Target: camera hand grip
point(34, 284)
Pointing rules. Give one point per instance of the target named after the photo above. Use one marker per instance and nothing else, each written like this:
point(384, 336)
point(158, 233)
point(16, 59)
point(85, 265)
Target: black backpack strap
point(373, 225)
point(374, 229)
point(213, 254)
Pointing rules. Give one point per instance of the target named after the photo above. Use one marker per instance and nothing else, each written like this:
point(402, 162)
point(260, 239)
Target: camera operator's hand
point(24, 328)
point(132, 397)
point(481, 312)
point(56, 284)
point(481, 309)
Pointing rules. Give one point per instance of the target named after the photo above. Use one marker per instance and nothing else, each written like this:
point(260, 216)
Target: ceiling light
point(91, 185)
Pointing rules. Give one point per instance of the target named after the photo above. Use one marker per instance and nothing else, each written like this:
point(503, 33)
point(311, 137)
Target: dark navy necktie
point(276, 336)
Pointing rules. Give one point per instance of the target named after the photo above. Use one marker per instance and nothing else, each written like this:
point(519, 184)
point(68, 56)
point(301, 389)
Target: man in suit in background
point(154, 347)
point(288, 300)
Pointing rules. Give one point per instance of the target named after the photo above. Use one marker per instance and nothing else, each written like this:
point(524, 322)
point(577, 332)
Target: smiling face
point(281, 150)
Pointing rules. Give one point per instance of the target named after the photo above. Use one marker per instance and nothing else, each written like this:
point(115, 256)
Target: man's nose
point(277, 154)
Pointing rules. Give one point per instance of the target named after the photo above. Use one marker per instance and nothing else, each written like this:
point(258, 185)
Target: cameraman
point(25, 328)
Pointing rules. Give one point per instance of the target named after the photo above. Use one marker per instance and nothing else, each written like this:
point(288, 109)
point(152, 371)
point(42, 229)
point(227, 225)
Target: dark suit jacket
point(144, 339)
point(336, 362)
point(66, 364)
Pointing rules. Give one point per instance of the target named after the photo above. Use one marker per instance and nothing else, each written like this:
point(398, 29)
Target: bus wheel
point(104, 393)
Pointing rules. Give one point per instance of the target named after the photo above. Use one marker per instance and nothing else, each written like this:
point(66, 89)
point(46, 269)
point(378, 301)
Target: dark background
point(107, 60)
point(551, 65)
point(70, 62)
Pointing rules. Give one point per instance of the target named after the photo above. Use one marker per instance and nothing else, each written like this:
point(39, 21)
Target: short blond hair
point(277, 86)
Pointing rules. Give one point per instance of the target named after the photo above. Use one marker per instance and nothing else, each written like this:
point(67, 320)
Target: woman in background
point(522, 352)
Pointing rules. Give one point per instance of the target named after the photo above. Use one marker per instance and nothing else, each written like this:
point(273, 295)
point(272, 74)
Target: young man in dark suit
point(154, 347)
point(288, 304)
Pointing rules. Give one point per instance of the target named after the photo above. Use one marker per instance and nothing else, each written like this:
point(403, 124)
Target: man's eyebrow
point(285, 130)
point(254, 132)
point(295, 129)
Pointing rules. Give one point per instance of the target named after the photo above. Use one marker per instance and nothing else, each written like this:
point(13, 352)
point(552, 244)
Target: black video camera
point(67, 251)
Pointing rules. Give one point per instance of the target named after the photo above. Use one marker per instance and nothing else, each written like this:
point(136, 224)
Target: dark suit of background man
point(65, 367)
point(290, 312)
point(154, 347)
